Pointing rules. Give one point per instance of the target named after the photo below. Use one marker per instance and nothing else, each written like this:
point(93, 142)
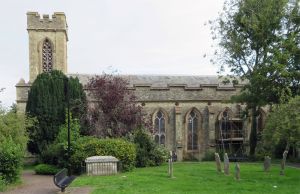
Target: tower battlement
point(57, 22)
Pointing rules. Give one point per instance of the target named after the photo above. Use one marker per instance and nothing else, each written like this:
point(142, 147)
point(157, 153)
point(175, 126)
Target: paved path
point(42, 184)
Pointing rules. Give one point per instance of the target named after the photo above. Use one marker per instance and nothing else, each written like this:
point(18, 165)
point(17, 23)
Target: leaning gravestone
point(226, 164)
point(218, 162)
point(284, 155)
point(171, 165)
point(267, 164)
point(237, 171)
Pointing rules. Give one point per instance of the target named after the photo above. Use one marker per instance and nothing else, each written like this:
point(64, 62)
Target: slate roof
point(165, 81)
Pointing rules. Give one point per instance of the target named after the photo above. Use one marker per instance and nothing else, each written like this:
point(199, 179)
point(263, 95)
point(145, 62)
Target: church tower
point(47, 43)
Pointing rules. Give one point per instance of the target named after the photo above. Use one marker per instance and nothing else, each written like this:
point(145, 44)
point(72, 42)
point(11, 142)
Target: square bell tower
point(47, 43)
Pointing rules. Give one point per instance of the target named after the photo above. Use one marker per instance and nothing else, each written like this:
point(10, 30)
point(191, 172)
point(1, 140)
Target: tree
point(13, 141)
point(259, 42)
point(47, 102)
point(114, 112)
point(283, 124)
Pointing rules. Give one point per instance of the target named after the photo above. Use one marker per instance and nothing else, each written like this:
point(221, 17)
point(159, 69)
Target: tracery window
point(47, 58)
point(160, 128)
point(192, 131)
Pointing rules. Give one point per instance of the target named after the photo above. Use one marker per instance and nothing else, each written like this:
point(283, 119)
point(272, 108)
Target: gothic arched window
point(47, 58)
point(192, 131)
point(160, 128)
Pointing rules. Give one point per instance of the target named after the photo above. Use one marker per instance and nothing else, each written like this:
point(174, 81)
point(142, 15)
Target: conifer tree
point(47, 102)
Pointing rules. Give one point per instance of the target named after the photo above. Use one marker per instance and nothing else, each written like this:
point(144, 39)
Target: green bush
point(2, 184)
point(11, 155)
point(209, 156)
point(13, 141)
point(148, 152)
point(57, 152)
point(46, 169)
point(91, 146)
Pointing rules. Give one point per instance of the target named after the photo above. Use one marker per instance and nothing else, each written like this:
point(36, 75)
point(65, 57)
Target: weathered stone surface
point(226, 164)
point(170, 161)
point(101, 165)
point(284, 155)
point(237, 171)
point(267, 164)
point(218, 162)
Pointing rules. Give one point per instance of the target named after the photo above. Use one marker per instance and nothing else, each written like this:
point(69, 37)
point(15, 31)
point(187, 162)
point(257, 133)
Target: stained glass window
point(47, 58)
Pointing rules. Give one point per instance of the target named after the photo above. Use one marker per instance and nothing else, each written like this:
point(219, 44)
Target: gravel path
point(42, 184)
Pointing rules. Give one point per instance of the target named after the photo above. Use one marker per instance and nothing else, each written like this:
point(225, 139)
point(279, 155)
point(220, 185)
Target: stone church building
point(191, 114)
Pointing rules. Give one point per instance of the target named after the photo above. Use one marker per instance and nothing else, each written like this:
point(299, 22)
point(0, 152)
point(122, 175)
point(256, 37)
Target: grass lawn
point(195, 178)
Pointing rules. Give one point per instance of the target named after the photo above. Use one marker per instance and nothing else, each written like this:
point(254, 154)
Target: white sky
point(130, 36)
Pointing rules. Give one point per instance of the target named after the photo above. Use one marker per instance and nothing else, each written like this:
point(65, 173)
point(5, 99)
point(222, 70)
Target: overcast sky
point(130, 36)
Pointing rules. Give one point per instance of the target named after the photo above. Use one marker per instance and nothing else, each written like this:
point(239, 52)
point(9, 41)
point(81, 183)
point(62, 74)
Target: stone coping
point(94, 159)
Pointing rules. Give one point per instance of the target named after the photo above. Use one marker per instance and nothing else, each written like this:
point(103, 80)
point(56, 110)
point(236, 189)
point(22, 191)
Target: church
point(192, 115)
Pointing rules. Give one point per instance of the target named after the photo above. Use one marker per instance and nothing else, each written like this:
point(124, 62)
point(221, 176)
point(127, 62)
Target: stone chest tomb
point(101, 165)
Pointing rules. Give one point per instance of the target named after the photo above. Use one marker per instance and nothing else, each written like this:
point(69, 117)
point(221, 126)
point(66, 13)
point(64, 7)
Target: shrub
point(11, 155)
point(209, 156)
point(148, 152)
point(2, 184)
point(56, 153)
point(91, 146)
point(13, 141)
point(46, 169)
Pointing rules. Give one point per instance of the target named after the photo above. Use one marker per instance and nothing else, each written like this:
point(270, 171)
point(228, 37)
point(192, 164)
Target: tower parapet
point(57, 22)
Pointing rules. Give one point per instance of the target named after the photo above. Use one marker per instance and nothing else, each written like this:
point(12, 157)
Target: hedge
point(46, 169)
point(91, 146)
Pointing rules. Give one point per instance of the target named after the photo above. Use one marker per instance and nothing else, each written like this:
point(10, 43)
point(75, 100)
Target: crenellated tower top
point(57, 22)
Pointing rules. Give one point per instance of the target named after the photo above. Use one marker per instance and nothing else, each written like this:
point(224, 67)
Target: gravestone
point(226, 164)
point(171, 165)
point(284, 155)
point(237, 171)
point(267, 164)
point(218, 162)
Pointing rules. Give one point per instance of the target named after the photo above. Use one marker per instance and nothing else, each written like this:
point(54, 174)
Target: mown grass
point(195, 178)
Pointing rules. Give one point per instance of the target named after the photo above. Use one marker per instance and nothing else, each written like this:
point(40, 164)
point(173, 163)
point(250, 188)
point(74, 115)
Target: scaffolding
point(231, 137)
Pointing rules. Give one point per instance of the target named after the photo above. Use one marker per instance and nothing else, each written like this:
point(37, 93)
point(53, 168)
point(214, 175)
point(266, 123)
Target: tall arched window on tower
point(160, 128)
point(192, 131)
point(47, 58)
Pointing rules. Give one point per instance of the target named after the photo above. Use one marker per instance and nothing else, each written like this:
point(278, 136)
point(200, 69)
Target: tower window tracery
point(47, 56)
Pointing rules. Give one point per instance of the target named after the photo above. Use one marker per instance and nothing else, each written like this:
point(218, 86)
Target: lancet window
point(160, 128)
point(192, 131)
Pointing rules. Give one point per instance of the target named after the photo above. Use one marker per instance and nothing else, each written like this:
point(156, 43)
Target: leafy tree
point(47, 102)
point(1, 89)
point(13, 141)
point(259, 42)
point(283, 124)
point(114, 112)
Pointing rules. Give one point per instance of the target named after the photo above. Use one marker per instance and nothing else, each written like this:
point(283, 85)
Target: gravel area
point(42, 184)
